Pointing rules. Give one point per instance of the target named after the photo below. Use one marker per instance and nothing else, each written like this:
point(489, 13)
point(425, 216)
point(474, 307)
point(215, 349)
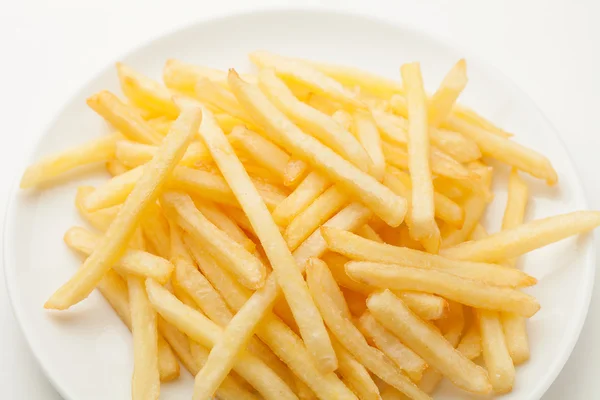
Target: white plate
point(86, 351)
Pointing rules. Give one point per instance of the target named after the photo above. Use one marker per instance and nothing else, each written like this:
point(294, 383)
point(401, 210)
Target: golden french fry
point(145, 383)
point(391, 346)
point(246, 267)
point(298, 72)
point(133, 154)
point(207, 333)
point(316, 123)
point(355, 375)
point(114, 191)
point(524, 238)
point(289, 277)
point(123, 117)
point(305, 193)
point(358, 248)
point(464, 291)
point(139, 263)
point(507, 151)
point(443, 100)
point(146, 93)
point(387, 205)
point(495, 352)
point(302, 390)
point(350, 337)
point(294, 171)
point(368, 135)
point(470, 343)
point(422, 223)
point(309, 220)
point(392, 313)
point(52, 166)
point(112, 245)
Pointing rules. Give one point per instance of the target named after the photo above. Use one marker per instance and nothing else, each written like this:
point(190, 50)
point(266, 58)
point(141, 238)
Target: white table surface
point(550, 48)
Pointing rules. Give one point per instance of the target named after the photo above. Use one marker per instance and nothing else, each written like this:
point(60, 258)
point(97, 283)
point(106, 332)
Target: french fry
point(246, 267)
point(464, 291)
point(305, 193)
point(422, 223)
point(507, 151)
point(387, 205)
point(146, 93)
point(350, 337)
point(390, 345)
point(369, 233)
point(133, 154)
point(295, 171)
point(392, 313)
point(511, 243)
point(355, 375)
point(207, 333)
point(514, 326)
point(443, 100)
point(112, 245)
point(470, 343)
point(52, 166)
point(368, 135)
point(358, 248)
point(310, 120)
point(145, 383)
point(123, 117)
point(302, 390)
point(222, 99)
point(288, 275)
point(226, 224)
point(156, 230)
point(343, 118)
point(183, 77)
point(298, 72)
point(309, 220)
point(473, 118)
point(495, 352)
point(139, 263)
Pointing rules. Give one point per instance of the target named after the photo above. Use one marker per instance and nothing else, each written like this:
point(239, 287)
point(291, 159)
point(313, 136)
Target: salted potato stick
point(368, 135)
point(507, 151)
point(422, 213)
point(524, 238)
point(495, 352)
point(134, 154)
point(145, 383)
point(146, 93)
point(123, 117)
point(137, 262)
point(515, 329)
point(112, 245)
point(350, 337)
point(52, 166)
point(312, 121)
point(272, 331)
point(358, 248)
point(444, 98)
point(309, 220)
point(391, 312)
point(226, 224)
point(367, 189)
point(289, 277)
point(464, 291)
point(261, 150)
point(298, 72)
point(305, 193)
point(391, 346)
point(207, 333)
point(232, 255)
point(355, 375)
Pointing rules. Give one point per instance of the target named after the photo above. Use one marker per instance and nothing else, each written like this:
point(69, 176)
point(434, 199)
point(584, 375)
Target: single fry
point(285, 269)
point(358, 248)
point(145, 383)
point(156, 230)
point(52, 166)
point(305, 193)
point(464, 291)
point(422, 211)
point(124, 118)
point(355, 375)
point(368, 135)
point(443, 100)
point(136, 262)
point(470, 343)
point(392, 313)
point(387, 205)
point(511, 243)
point(112, 245)
point(495, 352)
point(312, 121)
point(350, 337)
point(246, 267)
point(295, 171)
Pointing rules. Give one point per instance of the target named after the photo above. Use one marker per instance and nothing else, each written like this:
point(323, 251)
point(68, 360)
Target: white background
point(550, 48)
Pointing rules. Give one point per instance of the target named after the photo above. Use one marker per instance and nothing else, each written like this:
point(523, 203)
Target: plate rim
point(9, 215)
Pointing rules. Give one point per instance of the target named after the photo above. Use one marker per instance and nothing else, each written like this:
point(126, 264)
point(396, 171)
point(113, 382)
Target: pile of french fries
point(308, 231)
